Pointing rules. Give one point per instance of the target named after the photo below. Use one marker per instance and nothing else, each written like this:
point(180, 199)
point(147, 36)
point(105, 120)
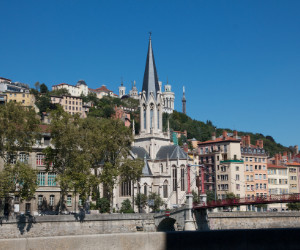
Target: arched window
point(158, 118)
point(165, 189)
point(144, 111)
point(161, 168)
point(125, 189)
point(182, 176)
point(145, 189)
point(151, 115)
point(174, 177)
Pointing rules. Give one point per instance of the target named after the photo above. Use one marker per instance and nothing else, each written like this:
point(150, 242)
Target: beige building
point(25, 98)
point(71, 104)
point(80, 88)
point(293, 169)
point(256, 172)
point(223, 167)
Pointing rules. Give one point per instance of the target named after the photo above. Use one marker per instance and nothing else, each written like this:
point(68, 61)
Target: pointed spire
point(150, 83)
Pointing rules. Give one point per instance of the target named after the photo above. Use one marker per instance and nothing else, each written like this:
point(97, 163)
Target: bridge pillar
point(189, 223)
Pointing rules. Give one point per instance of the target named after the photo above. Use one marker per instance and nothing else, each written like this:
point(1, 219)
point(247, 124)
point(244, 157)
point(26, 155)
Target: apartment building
point(293, 169)
point(80, 88)
point(71, 104)
point(7, 85)
point(222, 167)
point(256, 172)
point(25, 98)
point(47, 195)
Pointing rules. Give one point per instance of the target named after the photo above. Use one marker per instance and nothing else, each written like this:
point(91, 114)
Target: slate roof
point(140, 152)
point(150, 83)
point(146, 169)
point(171, 152)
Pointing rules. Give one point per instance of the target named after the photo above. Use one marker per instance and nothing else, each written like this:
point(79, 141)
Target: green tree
point(60, 92)
point(210, 195)
point(295, 206)
point(196, 198)
point(19, 130)
point(37, 86)
point(18, 179)
point(141, 201)
point(157, 201)
point(44, 88)
point(103, 204)
point(66, 157)
point(126, 207)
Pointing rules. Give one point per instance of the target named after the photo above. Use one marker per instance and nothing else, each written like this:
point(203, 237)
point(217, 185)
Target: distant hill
point(203, 131)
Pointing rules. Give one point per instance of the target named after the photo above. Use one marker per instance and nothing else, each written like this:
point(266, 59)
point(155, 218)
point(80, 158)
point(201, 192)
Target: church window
point(174, 175)
point(161, 168)
point(125, 189)
point(167, 103)
point(151, 115)
point(158, 118)
point(165, 189)
point(144, 108)
point(182, 175)
point(145, 189)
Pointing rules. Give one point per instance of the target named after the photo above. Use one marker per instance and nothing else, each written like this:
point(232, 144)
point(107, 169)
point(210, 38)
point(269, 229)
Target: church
point(165, 164)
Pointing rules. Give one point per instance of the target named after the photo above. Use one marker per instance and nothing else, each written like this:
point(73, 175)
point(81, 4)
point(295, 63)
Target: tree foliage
point(203, 131)
point(126, 207)
point(19, 130)
point(141, 200)
point(158, 201)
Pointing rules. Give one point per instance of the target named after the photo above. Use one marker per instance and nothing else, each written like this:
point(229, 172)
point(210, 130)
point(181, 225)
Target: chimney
point(235, 134)
point(276, 159)
point(285, 154)
point(247, 140)
point(224, 134)
point(213, 136)
point(260, 143)
point(186, 147)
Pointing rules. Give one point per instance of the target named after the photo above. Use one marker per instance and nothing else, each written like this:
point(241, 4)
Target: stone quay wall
point(250, 220)
point(61, 225)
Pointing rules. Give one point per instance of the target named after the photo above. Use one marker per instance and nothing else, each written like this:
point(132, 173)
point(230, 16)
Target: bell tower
point(151, 135)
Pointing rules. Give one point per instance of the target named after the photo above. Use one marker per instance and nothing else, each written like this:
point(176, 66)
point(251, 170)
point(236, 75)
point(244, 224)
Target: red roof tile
point(275, 166)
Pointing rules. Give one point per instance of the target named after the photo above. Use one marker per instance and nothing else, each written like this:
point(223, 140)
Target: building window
point(125, 189)
point(151, 115)
point(165, 189)
point(41, 179)
point(69, 200)
point(174, 175)
point(237, 177)
point(23, 158)
point(40, 200)
point(145, 189)
point(40, 160)
point(144, 117)
point(51, 202)
point(161, 168)
point(237, 168)
point(182, 179)
point(51, 179)
point(237, 186)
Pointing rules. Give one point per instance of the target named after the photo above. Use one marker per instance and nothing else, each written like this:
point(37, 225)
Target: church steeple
point(183, 102)
point(150, 83)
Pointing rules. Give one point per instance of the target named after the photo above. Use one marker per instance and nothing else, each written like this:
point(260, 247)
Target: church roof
point(146, 169)
point(140, 152)
point(150, 83)
point(171, 152)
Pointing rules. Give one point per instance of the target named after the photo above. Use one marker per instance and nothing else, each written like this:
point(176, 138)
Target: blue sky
point(239, 60)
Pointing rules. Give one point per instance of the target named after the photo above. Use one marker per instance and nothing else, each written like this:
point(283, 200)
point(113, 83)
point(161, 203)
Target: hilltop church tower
point(183, 102)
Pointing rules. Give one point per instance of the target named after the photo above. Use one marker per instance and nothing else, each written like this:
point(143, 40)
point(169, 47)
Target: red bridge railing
point(276, 198)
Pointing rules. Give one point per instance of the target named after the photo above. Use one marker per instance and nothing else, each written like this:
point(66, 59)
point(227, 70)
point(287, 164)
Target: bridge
point(281, 198)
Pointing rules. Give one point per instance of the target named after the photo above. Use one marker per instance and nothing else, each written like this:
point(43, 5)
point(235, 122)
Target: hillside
point(203, 131)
